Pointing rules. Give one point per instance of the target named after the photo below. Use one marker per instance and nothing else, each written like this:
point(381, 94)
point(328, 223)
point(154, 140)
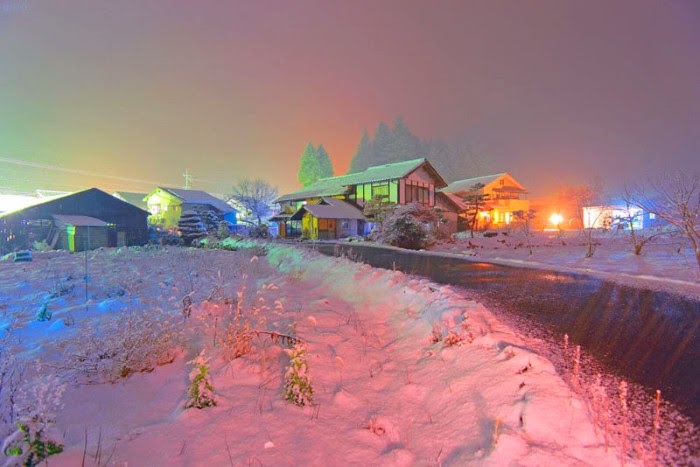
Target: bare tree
point(526, 217)
point(586, 196)
point(630, 218)
point(675, 198)
point(254, 195)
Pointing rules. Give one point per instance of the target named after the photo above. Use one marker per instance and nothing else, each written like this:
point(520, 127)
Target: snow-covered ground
point(666, 263)
point(404, 371)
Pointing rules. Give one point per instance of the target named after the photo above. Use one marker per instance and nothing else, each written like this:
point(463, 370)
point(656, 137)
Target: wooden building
point(399, 183)
point(125, 224)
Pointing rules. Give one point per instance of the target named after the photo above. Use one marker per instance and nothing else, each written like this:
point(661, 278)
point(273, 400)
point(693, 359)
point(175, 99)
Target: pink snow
point(388, 389)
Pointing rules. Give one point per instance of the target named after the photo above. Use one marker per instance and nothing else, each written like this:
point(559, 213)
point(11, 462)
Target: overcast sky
point(551, 91)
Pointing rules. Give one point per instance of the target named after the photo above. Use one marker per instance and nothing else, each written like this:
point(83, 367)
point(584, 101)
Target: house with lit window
point(337, 207)
point(166, 205)
point(503, 196)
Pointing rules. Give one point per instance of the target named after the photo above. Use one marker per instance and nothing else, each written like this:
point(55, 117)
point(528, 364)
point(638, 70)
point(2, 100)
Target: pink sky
point(553, 92)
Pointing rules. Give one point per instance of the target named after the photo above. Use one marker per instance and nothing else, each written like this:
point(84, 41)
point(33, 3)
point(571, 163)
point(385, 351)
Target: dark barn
point(126, 224)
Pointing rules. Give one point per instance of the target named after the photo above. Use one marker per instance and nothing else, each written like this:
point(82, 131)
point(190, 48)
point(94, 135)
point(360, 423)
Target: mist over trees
point(315, 163)
point(454, 161)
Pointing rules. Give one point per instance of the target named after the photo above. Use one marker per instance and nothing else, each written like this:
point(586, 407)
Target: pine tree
point(360, 160)
point(475, 201)
point(324, 162)
point(191, 227)
point(405, 145)
point(210, 220)
point(309, 168)
point(383, 142)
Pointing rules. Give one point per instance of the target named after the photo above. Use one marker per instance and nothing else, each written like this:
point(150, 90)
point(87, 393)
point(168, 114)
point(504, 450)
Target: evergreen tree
point(405, 145)
point(191, 227)
point(210, 220)
point(383, 142)
point(309, 168)
point(324, 162)
point(360, 160)
point(475, 201)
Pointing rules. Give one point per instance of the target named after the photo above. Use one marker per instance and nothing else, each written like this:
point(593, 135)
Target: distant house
point(136, 199)
point(340, 200)
point(505, 195)
point(57, 219)
point(167, 204)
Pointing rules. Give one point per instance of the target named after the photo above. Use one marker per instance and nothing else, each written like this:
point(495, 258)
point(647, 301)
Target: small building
point(126, 224)
point(328, 219)
point(78, 233)
point(167, 204)
point(503, 196)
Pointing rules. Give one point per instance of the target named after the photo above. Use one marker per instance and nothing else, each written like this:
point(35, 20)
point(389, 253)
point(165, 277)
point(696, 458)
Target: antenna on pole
point(188, 179)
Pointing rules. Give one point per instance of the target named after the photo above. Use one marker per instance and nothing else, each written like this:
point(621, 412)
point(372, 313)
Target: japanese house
point(337, 207)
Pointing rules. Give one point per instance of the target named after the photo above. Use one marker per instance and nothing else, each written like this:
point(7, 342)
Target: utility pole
point(188, 178)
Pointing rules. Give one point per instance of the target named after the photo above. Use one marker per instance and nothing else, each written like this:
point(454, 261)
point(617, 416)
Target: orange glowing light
point(556, 219)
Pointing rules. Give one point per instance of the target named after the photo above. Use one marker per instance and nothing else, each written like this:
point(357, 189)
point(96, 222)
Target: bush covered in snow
point(410, 226)
point(116, 346)
point(38, 404)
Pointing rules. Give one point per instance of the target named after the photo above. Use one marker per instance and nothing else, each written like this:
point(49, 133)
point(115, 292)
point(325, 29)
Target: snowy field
point(666, 263)
point(403, 371)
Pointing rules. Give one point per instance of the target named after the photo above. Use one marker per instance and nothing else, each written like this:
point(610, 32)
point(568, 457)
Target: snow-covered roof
point(330, 208)
point(199, 197)
point(79, 221)
point(467, 184)
point(460, 186)
point(332, 186)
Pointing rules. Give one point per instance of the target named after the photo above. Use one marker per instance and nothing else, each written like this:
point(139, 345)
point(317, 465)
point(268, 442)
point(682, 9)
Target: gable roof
point(197, 197)
point(92, 200)
point(340, 185)
point(450, 198)
point(460, 186)
point(132, 198)
point(330, 208)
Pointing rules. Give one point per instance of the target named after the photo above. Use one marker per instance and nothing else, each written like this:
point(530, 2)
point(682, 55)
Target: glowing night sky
point(551, 91)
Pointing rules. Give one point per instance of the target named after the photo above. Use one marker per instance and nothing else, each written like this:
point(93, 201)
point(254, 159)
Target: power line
point(87, 173)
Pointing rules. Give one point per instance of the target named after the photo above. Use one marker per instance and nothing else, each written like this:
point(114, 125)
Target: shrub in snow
point(38, 406)
point(44, 313)
point(223, 230)
point(259, 231)
point(236, 340)
point(201, 392)
point(191, 227)
point(117, 345)
point(297, 383)
point(408, 227)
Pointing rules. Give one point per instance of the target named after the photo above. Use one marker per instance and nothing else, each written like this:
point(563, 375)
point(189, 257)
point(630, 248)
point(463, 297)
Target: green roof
point(332, 186)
